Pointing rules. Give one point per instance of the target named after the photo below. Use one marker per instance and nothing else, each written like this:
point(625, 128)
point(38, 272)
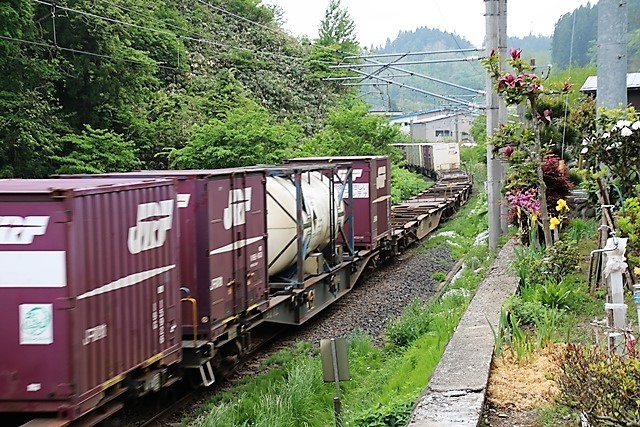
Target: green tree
point(97, 151)
point(30, 122)
point(247, 136)
point(337, 28)
point(351, 131)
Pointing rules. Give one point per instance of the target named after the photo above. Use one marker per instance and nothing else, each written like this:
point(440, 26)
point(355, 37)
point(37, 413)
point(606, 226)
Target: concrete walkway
point(456, 391)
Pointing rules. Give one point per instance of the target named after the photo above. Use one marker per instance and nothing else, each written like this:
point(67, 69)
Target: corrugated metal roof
point(591, 84)
point(415, 113)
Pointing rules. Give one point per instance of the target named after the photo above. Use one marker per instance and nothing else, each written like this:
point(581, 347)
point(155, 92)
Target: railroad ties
point(414, 219)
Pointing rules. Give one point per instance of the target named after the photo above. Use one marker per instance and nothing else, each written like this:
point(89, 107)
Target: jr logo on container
point(238, 205)
point(16, 230)
point(152, 223)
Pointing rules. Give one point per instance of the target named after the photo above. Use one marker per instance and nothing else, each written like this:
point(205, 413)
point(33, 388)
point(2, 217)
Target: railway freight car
point(92, 317)
point(371, 190)
point(87, 294)
point(432, 159)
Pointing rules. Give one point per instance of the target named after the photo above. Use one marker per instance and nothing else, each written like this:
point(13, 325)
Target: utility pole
point(502, 107)
point(493, 164)
point(612, 54)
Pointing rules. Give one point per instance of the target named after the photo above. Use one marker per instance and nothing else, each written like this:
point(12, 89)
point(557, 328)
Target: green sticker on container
point(36, 324)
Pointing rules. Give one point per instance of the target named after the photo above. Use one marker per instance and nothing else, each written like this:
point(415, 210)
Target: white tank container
point(281, 215)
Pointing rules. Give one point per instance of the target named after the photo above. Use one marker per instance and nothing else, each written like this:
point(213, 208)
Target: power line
point(82, 52)
point(193, 39)
point(220, 9)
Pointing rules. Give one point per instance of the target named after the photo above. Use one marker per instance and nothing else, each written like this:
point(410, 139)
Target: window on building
point(443, 132)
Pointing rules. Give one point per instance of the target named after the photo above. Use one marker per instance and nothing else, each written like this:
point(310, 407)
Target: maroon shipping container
point(371, 196)
point(223, 229)
point(88, 289)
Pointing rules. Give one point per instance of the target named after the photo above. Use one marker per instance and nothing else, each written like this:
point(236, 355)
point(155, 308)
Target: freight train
point(431, 158)
point(119, 285)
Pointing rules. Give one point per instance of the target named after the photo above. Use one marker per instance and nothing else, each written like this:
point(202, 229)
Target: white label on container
point(360, 191)
point(216, 283)
point(94, 334)
point(36, 324)
point(33, 269)
point(16, 230)
point(381, 179)
point(183, 200)
point(152, 223)
point(34, 387)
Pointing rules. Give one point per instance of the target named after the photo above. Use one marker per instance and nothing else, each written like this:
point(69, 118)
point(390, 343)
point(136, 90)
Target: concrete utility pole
point(612, 54)
point(502, 107)
point(493, 164)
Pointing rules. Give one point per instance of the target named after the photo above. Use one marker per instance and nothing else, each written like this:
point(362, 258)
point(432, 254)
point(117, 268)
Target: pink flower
point(515, 53)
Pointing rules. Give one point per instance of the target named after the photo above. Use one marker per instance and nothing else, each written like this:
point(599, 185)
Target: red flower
point(515, 53)
point(508, 150)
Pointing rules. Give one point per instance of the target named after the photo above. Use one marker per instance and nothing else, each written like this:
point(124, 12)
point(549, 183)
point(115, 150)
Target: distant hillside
point(468, 74)
point(586, 33)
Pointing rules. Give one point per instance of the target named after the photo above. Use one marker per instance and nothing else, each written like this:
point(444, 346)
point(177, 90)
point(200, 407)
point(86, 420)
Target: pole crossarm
point(433, 79)
point(433, 52)
point(431, 61)
point(331, 79)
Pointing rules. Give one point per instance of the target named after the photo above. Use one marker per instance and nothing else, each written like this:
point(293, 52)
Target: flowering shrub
point(522, 146)
point(617, 147)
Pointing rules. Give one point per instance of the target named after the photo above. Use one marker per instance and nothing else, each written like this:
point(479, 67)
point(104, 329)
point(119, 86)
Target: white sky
point(377, 20)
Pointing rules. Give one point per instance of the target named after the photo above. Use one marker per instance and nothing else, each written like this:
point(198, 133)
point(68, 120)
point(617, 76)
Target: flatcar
point(119, 285)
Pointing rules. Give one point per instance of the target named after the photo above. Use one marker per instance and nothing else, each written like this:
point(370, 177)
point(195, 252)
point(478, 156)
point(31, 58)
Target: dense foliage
point(88, 79)
point(585, 34)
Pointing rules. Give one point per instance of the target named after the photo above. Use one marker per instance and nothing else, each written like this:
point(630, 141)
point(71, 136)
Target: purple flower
point(515, 53)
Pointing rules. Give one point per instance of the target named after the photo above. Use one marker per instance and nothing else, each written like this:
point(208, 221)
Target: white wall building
point(438, 125)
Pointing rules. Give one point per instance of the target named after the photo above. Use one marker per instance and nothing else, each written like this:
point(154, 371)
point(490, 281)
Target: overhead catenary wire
point(241, 18)
point(566, 97)
point(169, 33)
point(83, 52)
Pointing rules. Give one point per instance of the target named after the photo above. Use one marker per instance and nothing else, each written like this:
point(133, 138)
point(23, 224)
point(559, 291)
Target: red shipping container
point(371, 196)
point(88, 274)
point(223, 251)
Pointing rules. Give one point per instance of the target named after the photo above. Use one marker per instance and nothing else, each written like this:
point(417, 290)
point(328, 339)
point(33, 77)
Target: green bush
point(393, 414)
point(605, 387)
point(439, 276)
point(559, 260)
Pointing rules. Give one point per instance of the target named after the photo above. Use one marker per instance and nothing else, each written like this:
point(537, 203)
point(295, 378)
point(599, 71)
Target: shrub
point(560, 260)
point(394, 414)
point(605, 387)
point(439, 276)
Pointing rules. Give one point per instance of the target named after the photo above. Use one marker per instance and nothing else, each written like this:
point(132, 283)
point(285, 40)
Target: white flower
point(585, 150)
point(623, 123)
point(636, 125)
point(616, 144)
point(608, 147)
point(626, 132)
point(585, 142)
point(605, 135)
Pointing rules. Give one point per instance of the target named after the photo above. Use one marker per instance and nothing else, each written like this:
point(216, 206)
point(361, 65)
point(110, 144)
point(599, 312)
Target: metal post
point(612, 54)
point(337, 404)
point(493, 169)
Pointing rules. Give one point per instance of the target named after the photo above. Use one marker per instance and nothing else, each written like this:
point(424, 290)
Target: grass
point(386, 381)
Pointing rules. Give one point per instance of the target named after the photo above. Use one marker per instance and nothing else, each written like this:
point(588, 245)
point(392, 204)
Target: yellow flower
point(554, 223)
point(562, 205)
point(534, 217)
point(636, 270)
